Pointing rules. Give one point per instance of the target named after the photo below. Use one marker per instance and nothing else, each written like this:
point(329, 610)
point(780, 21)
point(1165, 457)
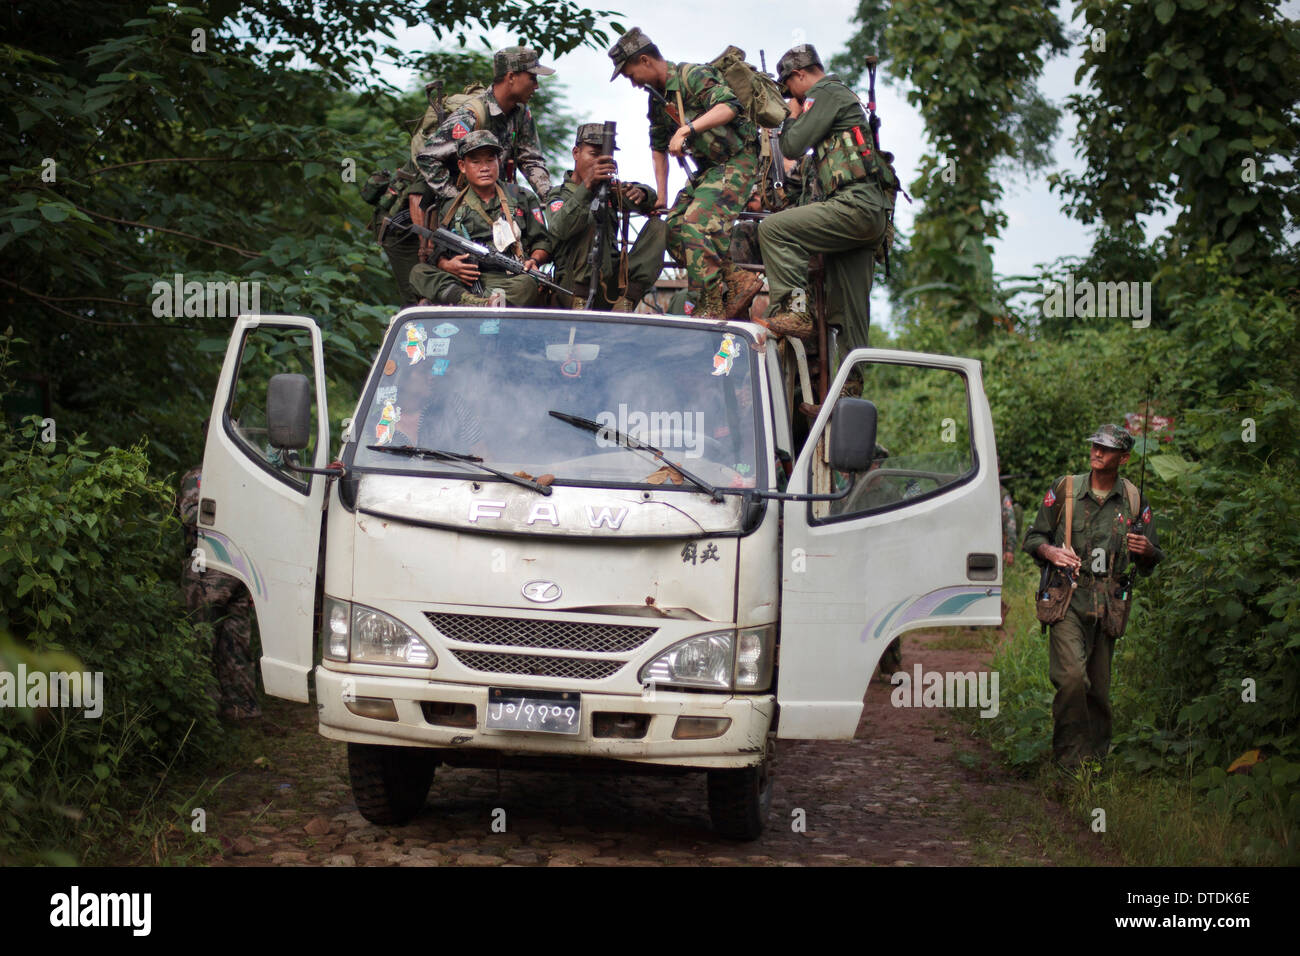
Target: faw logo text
point(545, 511)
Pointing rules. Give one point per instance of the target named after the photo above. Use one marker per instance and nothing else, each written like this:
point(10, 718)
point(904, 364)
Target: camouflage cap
point(593, 133)
point(797, 58)
point(477, 139)
point(1112, 436)
point(628, 46)
point(518, 59)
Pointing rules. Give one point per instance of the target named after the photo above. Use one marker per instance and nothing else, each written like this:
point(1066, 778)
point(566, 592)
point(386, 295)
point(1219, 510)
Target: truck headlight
point(704, 660)
point(754, 657)
point(371, 636)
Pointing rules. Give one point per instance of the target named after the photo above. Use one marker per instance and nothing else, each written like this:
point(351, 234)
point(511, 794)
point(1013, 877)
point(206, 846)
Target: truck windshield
point(483, 386)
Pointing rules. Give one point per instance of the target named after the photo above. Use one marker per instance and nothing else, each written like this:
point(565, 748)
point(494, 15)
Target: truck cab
point(553, 538)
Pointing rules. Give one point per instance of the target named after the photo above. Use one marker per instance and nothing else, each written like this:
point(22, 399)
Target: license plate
point(539, 711)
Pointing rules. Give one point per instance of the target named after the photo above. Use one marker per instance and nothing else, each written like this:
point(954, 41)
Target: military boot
point(742, 286)
point(579, 301)
point(712, 303)
point(629, 300)
point(787, 323)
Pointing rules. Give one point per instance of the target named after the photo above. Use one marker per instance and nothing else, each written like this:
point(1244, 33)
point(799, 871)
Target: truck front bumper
point(741, 744)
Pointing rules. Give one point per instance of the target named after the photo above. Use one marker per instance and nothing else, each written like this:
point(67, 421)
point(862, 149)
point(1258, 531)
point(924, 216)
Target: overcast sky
point(1037, 231)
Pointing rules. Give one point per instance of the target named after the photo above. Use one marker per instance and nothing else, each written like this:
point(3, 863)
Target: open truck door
point(260, 521)
point(916, 542)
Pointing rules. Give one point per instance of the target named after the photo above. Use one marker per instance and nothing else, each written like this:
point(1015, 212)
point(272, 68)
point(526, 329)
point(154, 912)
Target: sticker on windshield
point(438, 346)
point(489, 327)
point(726, 355)
point(390, 367)
point(389, 417)
point(439, 367)
point(385, 394)
point(445, 330)
point(415, 339)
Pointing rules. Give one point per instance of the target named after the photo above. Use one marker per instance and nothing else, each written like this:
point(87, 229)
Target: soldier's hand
point(1062, 557)
point(1139, 545)
point(635, 194)
point(601, 171)
point(677, 145)
point(462, 267)
point(796, 106)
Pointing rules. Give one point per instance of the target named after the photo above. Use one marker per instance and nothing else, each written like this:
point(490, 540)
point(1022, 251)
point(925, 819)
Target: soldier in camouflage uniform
point(1100, 548)
point(225, 603)
point(847, 223)
point(482, 209)
point(573, 229)
point(703, 118)
point(505, 113)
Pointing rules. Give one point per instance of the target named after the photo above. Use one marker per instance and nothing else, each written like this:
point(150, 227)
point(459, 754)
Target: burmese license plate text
point(540, 711)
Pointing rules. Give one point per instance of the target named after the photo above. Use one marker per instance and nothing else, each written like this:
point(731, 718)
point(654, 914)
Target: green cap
point(518, 59)
point(1112, 436)
point(796, 58)
point(593, 133)
point(627, 46)
point(477, 139)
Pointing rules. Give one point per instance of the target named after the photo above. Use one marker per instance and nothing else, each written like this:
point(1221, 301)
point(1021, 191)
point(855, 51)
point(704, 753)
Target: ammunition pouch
point(1055, 588)
point(1119, 600)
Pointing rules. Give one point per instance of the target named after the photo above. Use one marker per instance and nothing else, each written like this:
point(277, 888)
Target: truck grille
point(526, 632)
point(568, 668)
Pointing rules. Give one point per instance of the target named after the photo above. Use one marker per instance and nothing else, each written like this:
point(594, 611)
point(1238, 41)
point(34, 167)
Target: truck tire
point(390, 784)
point(740, 800)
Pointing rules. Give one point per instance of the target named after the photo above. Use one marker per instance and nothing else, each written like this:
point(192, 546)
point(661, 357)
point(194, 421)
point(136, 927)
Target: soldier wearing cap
point(502, 216)
point(624, 278)
point(703, 117)
point(1102, 545)
point(848, 221)
point(502, 110)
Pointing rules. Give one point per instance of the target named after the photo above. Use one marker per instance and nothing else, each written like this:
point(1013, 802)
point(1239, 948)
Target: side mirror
point(853, 434)
point(288, 410)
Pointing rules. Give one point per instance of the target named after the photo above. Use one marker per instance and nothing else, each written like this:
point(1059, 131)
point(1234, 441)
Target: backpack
point(760, 98)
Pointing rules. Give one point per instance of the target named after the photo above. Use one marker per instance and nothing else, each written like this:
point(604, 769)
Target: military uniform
point(727, 160)
point(847, 223)
point(225, 603)
point(573, 228)
point(515, 130)
point(1080, 651)
point(473, 218)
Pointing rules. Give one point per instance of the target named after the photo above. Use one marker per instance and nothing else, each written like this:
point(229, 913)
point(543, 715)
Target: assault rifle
point(600, 216)
point(687, 166)
point(873, 122)
point(458, 245)
point(776, 169)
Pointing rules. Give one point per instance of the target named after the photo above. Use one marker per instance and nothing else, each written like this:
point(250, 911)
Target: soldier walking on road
point(1107, 510)
point(225, 603)
point(846, 224)
point(702, 117)
point(625, 278)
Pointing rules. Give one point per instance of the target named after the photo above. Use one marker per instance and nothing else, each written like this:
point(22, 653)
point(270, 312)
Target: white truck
point(562, 539)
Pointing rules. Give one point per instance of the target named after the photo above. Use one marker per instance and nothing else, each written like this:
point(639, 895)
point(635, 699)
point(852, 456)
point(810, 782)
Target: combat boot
point(629, 300)
point(579, 301)
point(711, 303)
point(742, 286)
point(796, 324)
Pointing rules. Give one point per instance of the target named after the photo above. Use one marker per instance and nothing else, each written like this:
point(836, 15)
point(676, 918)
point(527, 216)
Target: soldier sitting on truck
point(503, 216)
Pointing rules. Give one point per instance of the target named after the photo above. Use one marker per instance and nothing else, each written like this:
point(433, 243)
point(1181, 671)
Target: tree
point(971, 68)
point(1194, 103)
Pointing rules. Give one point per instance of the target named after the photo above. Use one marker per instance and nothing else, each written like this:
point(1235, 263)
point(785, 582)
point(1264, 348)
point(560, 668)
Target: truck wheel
point(739, 800)
point(390, 784)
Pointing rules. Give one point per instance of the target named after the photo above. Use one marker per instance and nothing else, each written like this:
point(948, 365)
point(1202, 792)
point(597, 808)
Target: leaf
point(1165, 11)
point(1170, 466)
point(55, 212)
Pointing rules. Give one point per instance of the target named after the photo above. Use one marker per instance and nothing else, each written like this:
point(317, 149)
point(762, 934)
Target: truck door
point(258, 520)
point(916, 543)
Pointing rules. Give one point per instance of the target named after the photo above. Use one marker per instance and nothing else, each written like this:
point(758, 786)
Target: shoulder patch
point(1049, 499)
point(1146, 515)
point(537, 214)
point(808, 103)
point(557, 205)
point(459, 131)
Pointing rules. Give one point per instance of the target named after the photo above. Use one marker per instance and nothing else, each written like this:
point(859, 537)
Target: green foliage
point(88, 582)
point(1194, 103)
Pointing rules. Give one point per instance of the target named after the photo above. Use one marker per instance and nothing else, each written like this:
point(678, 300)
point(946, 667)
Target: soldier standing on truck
point(626, 275)
point(845, 225)
point(505, 217)
point(693, 110)
point(223, 602)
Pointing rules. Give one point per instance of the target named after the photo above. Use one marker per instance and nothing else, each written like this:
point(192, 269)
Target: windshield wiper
point(412, 451)
point(628, 441)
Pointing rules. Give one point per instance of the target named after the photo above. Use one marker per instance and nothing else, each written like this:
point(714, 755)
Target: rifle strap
point(1069, 511)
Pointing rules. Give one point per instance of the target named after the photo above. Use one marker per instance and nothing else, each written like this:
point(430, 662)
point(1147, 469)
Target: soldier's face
point(641, 71)
point(584, 157)
point(481, 167)
point(799, 83)
point(1106, 459)
point(522, 86)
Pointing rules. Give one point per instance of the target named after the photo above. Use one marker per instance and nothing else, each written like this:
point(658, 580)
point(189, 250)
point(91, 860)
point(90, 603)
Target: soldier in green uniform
point(703, 118)
point(624, 280)
point(505, 217)
point(225, 603)
point(1101, 547)
point(849, 220)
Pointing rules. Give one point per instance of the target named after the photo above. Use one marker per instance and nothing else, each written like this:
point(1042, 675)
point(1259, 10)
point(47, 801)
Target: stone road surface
point(911, 788)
